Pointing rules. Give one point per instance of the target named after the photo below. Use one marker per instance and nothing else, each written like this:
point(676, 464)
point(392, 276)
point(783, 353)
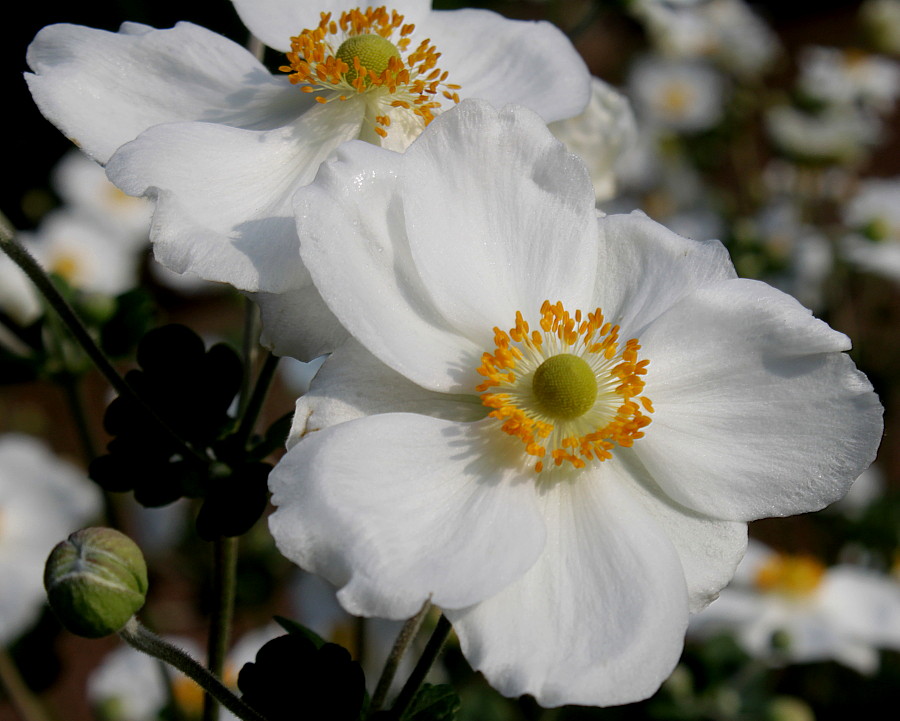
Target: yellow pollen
point(370, 52)
point(676, 99)
point(67, 266)
point(571, 390)
point(794, 576)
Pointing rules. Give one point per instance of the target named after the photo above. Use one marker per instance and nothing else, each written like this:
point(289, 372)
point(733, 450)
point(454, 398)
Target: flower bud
point(96, 580)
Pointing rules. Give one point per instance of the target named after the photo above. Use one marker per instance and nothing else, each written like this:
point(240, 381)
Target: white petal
point(353, 383)
point(352, 218)
point(510, 61)
point(297, 323)
point(276, 21)
point(399, 508)
point(864, 603)
point(226, 215)
point(500, 217)
point(758, 413)
point(102, 89)
point(644, 268)
point(710, 550)
point(598, 620)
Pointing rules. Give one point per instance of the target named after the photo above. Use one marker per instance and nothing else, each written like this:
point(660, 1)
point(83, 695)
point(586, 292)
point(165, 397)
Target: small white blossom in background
point(873, 217)
point(684, 96)
point(221, 144)
point(793, 609)
point(42, 499)
point(89, 256)
point(569, 490)
point(601, 135)
point(18, 297)
point(727, 32)
point(849, 77)
point(84, 188)
point(835, 135)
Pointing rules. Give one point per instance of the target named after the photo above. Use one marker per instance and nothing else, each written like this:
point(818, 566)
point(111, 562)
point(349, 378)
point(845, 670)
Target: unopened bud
point(96, 580)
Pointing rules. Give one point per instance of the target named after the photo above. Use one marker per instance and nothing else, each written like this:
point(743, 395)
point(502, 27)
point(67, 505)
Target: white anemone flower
point(42, 499)
point(684, 96)
point(848, 76)
point(551, 423)
point(787, 608)
point(602, 135)
point(222, 144)
point(873, 216)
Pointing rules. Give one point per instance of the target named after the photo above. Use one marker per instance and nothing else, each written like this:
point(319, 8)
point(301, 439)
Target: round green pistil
point(374, 53)
point(565, 386)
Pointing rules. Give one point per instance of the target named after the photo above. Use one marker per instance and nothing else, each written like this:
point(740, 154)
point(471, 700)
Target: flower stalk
point(404, 638)
point(148, 642)
point(423, 666)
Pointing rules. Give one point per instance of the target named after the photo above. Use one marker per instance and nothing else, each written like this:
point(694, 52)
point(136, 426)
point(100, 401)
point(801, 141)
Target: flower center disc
point(565, 386)
point(374, 53)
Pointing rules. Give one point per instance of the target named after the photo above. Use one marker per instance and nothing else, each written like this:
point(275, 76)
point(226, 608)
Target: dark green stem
point(256, 400)
point(23, 700)
point(148, 642)
point(408, 692)
point(224, 574)
point(36, 274)
point(404, 638)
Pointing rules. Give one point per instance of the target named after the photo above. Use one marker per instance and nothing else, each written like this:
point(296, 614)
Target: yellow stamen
point(794, 576)
point(592, 405)
point(363, 52)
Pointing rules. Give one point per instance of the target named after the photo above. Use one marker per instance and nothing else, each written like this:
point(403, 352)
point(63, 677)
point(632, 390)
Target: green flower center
point(565, 386)
point(374, 53)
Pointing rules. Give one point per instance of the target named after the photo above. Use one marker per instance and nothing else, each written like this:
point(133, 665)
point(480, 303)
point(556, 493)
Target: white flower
point(791, 608)
point(42, 500)
point(837, 135)
point(223, 178)
point(90, 256)
point(565, 503)
point(85, 189)
point(601, 135)
point(849, 76)
point(873, 216)
point(18, 297)
point(680, 95)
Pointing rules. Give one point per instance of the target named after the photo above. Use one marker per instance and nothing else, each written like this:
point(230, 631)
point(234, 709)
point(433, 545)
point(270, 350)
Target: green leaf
point(433, 703)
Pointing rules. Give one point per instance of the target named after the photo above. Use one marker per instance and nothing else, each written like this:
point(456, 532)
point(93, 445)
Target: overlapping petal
point(434, 495)
point(227, 216)
point(758, 413)
point(598, 620)
point(102, 89)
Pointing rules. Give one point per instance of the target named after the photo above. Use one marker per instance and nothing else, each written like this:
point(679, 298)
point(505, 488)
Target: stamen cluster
point(412, 83)
point(615, 418)
point(791, 575)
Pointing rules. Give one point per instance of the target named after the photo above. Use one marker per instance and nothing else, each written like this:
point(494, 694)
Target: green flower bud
point(96, 580)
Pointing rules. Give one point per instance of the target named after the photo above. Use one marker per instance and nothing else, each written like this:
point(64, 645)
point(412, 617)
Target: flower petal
point(102, 89)
point(227, 216)
point(399, 508)
point(598, 620)
point(352, 218)
point(353, 383)
point(527, 233)
point(276, 21)
point(758, 413)
point(644, 269)
point(710, 550)
point(510, 61)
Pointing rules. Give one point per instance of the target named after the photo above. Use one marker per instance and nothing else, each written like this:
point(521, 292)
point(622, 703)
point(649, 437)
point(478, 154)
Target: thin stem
point(224, 573)
point(36, 274)
point(256, 400)
point(435, 643)
point(23, 700)
point(249, 351)
point(404, 638)
point(148, 642)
